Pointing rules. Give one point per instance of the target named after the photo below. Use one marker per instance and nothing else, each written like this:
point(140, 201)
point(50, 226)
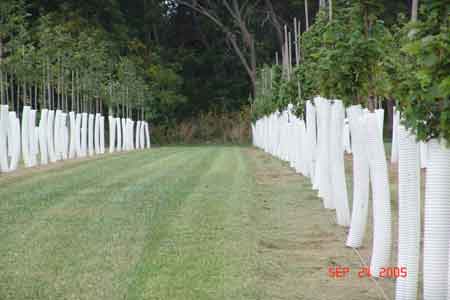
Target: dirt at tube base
point(301, 240)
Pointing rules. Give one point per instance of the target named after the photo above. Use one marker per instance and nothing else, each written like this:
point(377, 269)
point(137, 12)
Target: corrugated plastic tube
point(138, 135)
point(78, 119)
point(132, 134)
point(25, 135)
point(84, 133)
point(303, 163)
point(338, 184)
point(310, 138)
point(112, 133)
point(73, 133)
point(319, 157)
point(43, 136)
point(358, 131)
point(423, 154)
point(409, 214)
point(394, 145)
point(380, 119)
point(147, 134)
point(142, 133)
point(4, 123)
point(124, 134)
point(102, 134)
point(33, 139)
point(324, 155)
point(119, 134)
point(57, 135)
point(97, 133)
point(436, 222)
point(296, 139)
point(381, 250)
point(346, 137)
point(292, 143)
point(91, 135)
point(50, 132)
point(14, 140)
point(64, 132)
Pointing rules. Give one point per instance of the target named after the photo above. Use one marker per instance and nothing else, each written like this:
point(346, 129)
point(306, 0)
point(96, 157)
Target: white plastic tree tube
point(282, 135)
point(291, 143)
point(50, 139)
point(323, 162)
point(64, 136)
point(380, 118)
point(84, 133)
point(310, 138)
point(286, 137)
point(102, 134)
point(14, 140)
point(142, 138)
point(43, 136)
point(253, 128)
point(138, 135)
point(124, 134)
point(270, 133)
point(319, 137)
point(409, 215)
point(112, 133)
point(126, 140)
point(132, 134)
point(358, 131)
point(33, 139)
point(57, 135)
point(436, 222)
point(25, 135)
point(78, 121)
point(303, 163)
point(346, 137)
point(119, 134)
point(296, 140)
point(394, 144)
point(318, 164)
point(97, 133)
point(91, 135)
point(73, 135)
point(147, 134)
point(423, 154)
point(142, 133)
point(4, 124)
point(381, 250)
point(77, 136)
point(338, 183)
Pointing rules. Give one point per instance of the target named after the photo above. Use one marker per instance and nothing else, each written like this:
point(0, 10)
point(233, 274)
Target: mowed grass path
point(212, 222)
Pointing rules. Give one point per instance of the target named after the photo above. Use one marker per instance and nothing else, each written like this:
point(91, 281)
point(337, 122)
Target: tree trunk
point(306, 15)
point(1, 71)
point(414, 9)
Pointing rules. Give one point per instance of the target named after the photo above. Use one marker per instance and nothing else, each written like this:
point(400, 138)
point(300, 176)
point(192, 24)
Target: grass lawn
point(206, 222)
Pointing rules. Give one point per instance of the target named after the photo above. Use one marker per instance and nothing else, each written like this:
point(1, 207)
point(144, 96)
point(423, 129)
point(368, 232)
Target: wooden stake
point(296, 42)
point(330, 5)
point(306, 15)
point(286, 51)
point(415, 7)
point(290, 55)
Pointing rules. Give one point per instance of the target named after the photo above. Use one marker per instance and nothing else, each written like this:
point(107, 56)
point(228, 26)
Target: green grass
point(211, 222)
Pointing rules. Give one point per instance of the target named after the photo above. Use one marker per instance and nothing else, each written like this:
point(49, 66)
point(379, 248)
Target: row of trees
point(350, 54)
point(69, 66)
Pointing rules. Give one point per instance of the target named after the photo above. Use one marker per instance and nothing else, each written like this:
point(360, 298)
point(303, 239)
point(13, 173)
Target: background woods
point(192, 57)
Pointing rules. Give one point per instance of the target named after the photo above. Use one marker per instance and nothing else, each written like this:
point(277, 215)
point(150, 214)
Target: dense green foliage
point(358, 58)
point(423, 83)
